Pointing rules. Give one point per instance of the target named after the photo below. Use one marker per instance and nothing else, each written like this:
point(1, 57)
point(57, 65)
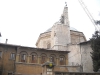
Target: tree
point(0, 34)
point(95, 54)
point(97, 22)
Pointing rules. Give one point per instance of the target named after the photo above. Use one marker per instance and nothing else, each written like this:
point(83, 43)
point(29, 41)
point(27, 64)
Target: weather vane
point(66, 3)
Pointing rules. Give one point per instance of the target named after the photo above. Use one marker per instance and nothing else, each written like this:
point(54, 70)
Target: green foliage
point(95, 54)
point(97, 22)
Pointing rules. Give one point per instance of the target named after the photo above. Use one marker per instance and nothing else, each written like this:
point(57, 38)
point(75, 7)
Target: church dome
point(71, 28)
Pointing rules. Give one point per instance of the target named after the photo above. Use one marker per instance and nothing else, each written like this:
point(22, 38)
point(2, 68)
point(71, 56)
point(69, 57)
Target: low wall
point(76, 73)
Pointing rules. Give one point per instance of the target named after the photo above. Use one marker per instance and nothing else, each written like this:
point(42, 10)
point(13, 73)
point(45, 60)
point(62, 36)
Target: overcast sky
point(22, 21)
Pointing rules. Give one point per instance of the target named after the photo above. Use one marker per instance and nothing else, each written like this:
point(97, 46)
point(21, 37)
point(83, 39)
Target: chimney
point(6, 41)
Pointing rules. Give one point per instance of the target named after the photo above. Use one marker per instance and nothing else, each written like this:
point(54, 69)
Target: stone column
point(48, 59)
point(17, 57)
point(28, 58)
point(66, 60)
point(57, 61)
point(38, 59)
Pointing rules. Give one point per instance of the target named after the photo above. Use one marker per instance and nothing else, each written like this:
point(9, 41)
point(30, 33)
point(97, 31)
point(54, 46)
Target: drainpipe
point(15, 60)
point(17, 48)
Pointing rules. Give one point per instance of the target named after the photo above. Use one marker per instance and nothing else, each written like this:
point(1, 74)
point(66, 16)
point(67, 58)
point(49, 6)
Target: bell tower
point(60, 33)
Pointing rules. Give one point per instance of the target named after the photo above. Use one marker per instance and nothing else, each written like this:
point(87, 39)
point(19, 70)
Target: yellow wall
point(28, 69)
point(10, 66)
point(6, 64)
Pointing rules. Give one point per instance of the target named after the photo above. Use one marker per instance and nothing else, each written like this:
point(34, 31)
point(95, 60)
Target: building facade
point(60, 49)
point(62, 37)
point(20, 60)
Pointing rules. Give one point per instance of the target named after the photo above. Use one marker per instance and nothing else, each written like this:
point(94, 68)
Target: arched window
point(48, 46)
point(34, 58)
point(62, 60)
point(52, 58)
point(43, 58)
point(23, 56)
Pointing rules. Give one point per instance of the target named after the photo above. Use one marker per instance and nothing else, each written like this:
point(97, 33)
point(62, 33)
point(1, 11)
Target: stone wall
point(86, 57)
point(43, 40)
point(74, 56)
point(80, 55)
point(59, 37)
point(77, 37)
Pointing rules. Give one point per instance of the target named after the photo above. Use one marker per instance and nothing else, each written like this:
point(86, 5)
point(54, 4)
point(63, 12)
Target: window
point(12, 56)
point(23, 57)
point(51, 59)
point(43, 59)
point(61, 60)
point(34, 58)
point(0, 54)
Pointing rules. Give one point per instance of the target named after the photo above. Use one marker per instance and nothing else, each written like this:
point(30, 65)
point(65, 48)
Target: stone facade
point(62, 37)
point(80, 55)
point(48, 38)
point(59, 49)
point(86, 56)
